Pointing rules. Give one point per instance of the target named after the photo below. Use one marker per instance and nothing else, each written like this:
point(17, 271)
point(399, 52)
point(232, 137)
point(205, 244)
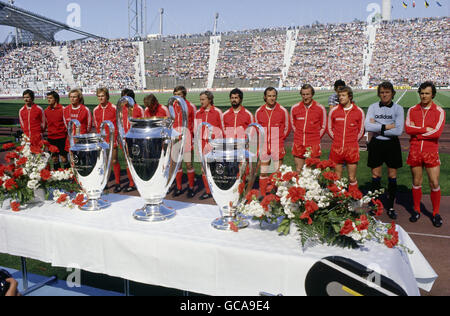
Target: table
point(186, 252)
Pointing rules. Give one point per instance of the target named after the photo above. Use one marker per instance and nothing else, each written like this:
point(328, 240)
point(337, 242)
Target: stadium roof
point(42, 28)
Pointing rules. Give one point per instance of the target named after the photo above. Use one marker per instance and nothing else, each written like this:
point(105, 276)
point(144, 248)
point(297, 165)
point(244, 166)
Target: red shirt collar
point(57, 107)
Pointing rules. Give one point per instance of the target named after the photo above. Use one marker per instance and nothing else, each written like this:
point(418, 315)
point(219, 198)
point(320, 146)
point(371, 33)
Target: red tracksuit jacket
point(309, 124)
point(56, 129)
point(277, 126)
point(421, 118)
point(161, 111)
point(236, 123)
point(107, 113)
point(138, 112)
point(213, 116)
point(346, 128)
point(32, 122)
point(82, 114)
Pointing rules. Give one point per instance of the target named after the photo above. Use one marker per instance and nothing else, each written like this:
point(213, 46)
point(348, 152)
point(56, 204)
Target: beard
point(235, 105)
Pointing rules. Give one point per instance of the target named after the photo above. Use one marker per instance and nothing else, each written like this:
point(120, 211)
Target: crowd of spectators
point(182, 58)
point(328, 52)
point(406, 52)
point(103, 63)
point(253, 55)
point(410, 52)
point(34, 67)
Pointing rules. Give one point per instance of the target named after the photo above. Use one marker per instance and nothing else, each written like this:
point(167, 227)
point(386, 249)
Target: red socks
point(130, 178)
point(263, 181)
point(179, 178)
point(191, 178)
point(417, 197)
point(205, 182)
point(117, 172)
point(436, 200)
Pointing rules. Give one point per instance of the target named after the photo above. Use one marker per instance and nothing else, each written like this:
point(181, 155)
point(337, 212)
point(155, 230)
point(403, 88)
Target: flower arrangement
point(319, 204)
point(27, 170)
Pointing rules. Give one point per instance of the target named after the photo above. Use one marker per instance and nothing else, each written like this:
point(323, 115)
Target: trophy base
point(95, 205)
point(225, 223)
point(154, 213)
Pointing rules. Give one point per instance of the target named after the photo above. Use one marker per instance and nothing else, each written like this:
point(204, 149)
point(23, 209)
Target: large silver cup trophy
point(154, 151)
point(230, 165)
point(90, 157)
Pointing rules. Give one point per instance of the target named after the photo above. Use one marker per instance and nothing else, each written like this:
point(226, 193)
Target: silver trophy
point(230, 166)
point(90, 157)
point(154, 151)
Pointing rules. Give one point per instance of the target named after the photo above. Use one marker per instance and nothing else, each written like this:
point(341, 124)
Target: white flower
point(33, 184)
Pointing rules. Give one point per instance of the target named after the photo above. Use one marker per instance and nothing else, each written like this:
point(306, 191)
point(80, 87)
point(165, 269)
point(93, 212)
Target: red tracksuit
point(213, 116)
point(107, 113)
point(56, 129)
point(32, 122)
point(82, 114)
point(346, 128)
point(424, 149)
point(236, 123)
point(277, 126)
point(309, 125)
point(188, 145)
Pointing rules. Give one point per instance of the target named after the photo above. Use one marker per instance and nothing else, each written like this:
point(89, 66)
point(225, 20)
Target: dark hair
point(270, 89)
point(182, 89)
point(54, 94)
point(128, 93)
point(152, 103)
point(348, 90)
point(307, 87)
point(238, 92)
point(209, 95)
point(339, 83)
point(386, 85)
point(30, 93)
point(427, 84)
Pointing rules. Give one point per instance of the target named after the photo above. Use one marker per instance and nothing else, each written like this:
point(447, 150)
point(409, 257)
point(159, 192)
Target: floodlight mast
point(137, 18)
point(216, 20)
point(161, 21)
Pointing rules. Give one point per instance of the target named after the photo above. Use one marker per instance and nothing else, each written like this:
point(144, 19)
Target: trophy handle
point(112, 132)
point(200, 139)
point(70, 130)
point(127, 102)
point(253, 164)
point(184, 114)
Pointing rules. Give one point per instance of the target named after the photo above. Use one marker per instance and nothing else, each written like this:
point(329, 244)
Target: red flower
point(15, 206)
point(289, 176)
point(241, 188)
point(79, 200)
point(10, 168)
point(310, 162)
point(2, 171)
point(11, 155)
point(233, 227)
point(62, 198)
point(10, 184)
point(331, 176)
point(326, 164)
point(53, 149)
point(333, 188)
point(348, 228)
point(35, 149)
point(18, 173)
point(45, 175)
point(356, 194)
point(380, 207)
point(21, 161)
point(296, 193)
point(267, 200)
point(392, 240)
point(310, 208)
point(364, 223)
point(392, 230)
point(251, 195)
point(19, 149)
point(8, 146)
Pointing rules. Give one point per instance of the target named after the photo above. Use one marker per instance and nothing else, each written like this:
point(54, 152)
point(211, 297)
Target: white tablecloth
point(186, 252)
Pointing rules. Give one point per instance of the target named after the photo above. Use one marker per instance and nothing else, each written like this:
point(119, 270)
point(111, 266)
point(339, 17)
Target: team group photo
point(320, 148)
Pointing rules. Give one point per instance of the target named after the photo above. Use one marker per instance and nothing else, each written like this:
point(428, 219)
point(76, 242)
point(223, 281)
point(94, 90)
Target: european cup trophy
point(90, 157)
point(154, 151)
point(230, 167)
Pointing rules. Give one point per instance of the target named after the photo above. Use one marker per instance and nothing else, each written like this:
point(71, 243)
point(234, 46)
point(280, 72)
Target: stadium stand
point(412, 51)
point(406, 52)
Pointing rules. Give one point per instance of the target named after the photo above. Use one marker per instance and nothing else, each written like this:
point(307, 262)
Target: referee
point(386, 121)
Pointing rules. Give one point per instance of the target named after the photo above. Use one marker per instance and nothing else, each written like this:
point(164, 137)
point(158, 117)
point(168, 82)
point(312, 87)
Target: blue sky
point(109, 18)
